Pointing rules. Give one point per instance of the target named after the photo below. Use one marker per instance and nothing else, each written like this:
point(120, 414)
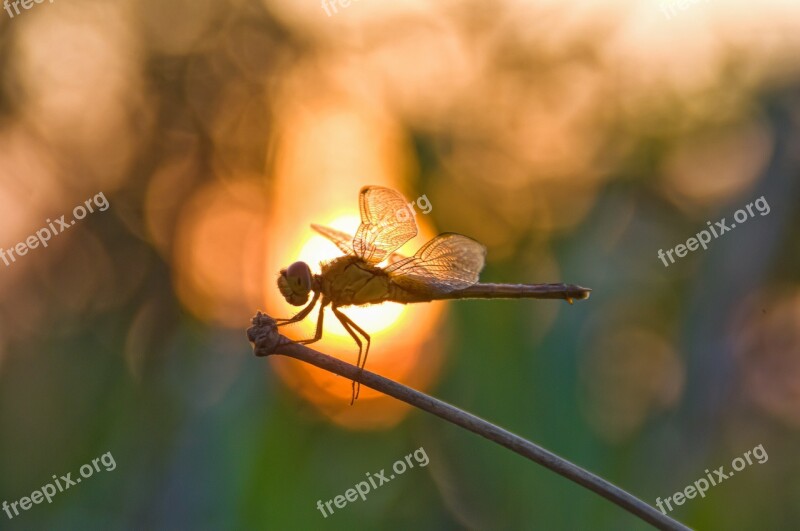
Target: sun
point(375, 318)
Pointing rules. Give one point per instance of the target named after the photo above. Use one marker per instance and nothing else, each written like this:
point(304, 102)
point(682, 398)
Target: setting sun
point(374, 318)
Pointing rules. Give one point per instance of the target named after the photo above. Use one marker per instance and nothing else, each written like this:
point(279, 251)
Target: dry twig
point(267, 341)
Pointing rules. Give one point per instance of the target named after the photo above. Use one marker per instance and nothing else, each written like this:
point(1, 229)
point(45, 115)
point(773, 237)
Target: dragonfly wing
point(342, 240)
point(447, 263)
point(386, 224)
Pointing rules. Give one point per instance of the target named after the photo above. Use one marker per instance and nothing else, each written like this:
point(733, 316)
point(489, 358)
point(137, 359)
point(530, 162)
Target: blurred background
point(574, 139)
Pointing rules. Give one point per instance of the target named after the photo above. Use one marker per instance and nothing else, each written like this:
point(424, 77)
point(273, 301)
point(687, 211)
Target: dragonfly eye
point(295, 283)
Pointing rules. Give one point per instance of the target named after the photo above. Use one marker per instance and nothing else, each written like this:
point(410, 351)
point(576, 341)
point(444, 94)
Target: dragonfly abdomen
point(498, 291)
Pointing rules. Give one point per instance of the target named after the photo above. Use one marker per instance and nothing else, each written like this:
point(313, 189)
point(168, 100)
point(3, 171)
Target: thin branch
point(267, 341)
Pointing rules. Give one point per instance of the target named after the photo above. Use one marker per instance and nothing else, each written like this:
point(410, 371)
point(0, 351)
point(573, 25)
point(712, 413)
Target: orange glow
point(328, 151)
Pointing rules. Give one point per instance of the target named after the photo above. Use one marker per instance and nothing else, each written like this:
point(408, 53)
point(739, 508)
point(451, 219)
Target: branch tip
point(263, 335)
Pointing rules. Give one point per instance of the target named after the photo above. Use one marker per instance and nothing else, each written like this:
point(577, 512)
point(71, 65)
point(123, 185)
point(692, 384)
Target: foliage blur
point(574, 140)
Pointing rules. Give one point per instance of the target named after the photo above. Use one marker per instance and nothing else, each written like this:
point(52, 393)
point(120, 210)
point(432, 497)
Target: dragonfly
point(445, 268)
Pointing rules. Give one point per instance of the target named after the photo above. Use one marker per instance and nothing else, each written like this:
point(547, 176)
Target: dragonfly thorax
point(348, 280)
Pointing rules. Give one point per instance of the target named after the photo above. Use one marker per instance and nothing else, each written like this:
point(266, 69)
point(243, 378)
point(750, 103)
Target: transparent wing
point(448, 262)
point(386, 224)
point(342, 240)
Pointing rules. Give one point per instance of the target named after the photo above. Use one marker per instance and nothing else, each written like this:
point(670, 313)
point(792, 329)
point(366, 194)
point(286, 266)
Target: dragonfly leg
point(343, 318)
point(318, 334)
point(299, 316)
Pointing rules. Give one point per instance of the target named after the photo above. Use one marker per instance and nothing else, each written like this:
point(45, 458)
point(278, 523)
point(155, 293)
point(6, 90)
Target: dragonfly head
point(295, 283)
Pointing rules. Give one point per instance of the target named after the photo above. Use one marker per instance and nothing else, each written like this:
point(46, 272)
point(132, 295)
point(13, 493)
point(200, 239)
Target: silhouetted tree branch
point(267, 341)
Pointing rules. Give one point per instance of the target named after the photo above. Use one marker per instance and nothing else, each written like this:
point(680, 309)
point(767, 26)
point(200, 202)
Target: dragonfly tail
point(568, 292)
